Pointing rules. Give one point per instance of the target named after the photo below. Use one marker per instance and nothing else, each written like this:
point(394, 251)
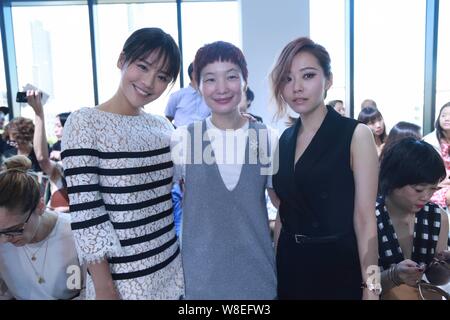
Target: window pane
point(3, 98)
point(116, 22)
point(443, 61)
point(327, 27)
point(389, 57)
point(206, 22)
point(53, 53)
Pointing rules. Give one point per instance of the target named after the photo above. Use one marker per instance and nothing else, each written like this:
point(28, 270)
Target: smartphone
point(22, 96)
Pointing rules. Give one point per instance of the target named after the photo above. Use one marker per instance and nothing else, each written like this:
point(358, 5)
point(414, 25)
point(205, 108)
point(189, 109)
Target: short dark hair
point(371, 114)
point(408, 162)
point(439, 131)
point(190, 70)
point(63, 117)
point(141, 43)
point(250, 96)
point(219, 51)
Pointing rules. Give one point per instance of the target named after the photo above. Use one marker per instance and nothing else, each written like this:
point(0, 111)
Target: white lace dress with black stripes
point(119, 172)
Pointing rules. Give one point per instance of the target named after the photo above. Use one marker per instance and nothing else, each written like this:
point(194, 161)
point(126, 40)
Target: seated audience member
point(55, 150)
point(9, 147)
point(369, 103)
point(21, 133)
point(246, 102)
point(58, 200)
point(338, 105)
point(3, 112)
point(411, 229)
point(440, 140)
point(38, 259)
point(374, 120)
point(400, 131)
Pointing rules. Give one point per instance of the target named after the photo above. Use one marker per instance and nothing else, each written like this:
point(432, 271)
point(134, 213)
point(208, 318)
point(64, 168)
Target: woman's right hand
point(34, 100)
point(409, 272)
point(106, 294)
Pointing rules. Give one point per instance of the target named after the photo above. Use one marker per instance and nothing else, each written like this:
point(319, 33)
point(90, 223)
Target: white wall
point(267, 26)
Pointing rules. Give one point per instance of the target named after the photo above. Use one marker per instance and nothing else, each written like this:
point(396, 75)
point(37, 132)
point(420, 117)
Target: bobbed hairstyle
point(371, 114)
point(283, 64)
point(219, 51)
point(409, 162)
point(439, 131)
point(141, 43)
point(19, 189)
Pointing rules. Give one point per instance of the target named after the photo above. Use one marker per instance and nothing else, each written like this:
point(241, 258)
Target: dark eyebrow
point(308, 68)
point(233, 69)
point(145, 61)
point(227, 71)
point(151, 64)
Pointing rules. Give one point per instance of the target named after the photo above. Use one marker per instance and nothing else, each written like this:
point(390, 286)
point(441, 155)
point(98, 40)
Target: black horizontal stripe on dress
point(145, 272)
point(116, 190)
point(147, 237)
point(86, 205)
point(113, 155)
point(89, 223)
point(141, 222)
point(118, 172)
point(138, 205)
point(80, 170)
point(143, 255)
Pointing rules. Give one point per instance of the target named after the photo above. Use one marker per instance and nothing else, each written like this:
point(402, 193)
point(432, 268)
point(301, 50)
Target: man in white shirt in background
point(186, 105)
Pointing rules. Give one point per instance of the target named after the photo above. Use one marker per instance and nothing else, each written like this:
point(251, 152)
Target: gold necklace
point(40, 278)
point(33, 254)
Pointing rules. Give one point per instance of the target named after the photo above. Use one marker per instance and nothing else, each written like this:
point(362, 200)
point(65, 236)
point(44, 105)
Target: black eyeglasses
point(17, 231)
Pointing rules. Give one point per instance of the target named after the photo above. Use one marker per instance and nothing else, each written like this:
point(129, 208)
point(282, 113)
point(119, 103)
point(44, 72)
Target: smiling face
point(412, 198)
point(222, 86)
point(143, 80)
point(305, 84)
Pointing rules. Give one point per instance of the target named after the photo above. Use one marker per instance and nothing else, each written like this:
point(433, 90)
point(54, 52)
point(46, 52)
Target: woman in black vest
point(326, 182)
point(411, 230)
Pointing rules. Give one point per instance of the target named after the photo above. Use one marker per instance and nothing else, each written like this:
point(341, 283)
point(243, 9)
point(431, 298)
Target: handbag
point(438, 273)
point(428, 291)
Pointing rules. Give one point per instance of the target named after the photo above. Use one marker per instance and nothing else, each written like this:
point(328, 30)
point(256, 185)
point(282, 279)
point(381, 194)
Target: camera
point(22, 96)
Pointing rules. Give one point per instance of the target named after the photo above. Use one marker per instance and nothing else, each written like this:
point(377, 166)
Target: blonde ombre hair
point(283, 64)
